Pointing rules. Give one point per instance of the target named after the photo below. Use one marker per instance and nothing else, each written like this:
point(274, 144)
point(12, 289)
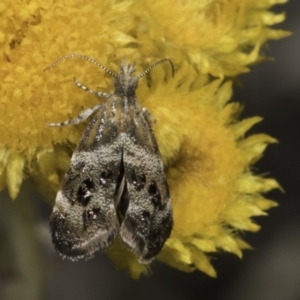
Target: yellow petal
point(14, 174)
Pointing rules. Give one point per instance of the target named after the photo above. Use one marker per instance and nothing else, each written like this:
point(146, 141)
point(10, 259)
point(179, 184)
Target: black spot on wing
point(154, 195)
point(146, 214)
point(106, 178)
point(145, 218)
point(138, 180)
point(90, 216)
point(85, 192)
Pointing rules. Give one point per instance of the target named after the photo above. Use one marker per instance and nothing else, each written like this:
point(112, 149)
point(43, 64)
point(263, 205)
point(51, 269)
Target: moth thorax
point(125, 85)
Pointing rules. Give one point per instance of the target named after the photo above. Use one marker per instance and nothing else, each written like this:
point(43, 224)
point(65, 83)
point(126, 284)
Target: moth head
point(125, 82)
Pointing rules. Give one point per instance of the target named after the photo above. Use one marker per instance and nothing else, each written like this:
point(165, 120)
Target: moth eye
point(138, 181)
point(105, 178)
point(85, 192)
point(90, 216)
point(154, 194)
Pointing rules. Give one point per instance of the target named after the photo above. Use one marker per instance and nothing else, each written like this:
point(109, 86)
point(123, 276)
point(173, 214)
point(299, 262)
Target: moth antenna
point(83, 57)
point(157, 63)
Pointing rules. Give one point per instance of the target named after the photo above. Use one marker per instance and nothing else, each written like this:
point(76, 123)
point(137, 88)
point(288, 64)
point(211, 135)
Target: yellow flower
point(206, 154)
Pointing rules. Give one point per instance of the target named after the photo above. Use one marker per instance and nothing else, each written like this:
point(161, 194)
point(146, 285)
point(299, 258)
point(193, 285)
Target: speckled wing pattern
point(148, 218)
point(115, 184)
point(84, 216)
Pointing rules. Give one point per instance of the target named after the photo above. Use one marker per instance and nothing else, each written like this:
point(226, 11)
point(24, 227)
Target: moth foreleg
point(80, 118)
point(86, 89)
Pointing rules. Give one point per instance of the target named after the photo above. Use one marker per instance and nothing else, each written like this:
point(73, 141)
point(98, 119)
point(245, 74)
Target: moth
point(115, 186)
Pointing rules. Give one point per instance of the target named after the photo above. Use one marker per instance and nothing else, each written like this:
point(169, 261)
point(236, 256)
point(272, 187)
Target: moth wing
point(84, 218)
point(146, 202)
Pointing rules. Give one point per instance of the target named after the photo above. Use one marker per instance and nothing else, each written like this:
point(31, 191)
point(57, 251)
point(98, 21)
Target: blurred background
point(271, 271)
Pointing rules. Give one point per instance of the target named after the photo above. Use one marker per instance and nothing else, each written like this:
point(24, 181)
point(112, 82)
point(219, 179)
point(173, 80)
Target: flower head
point(207, 154)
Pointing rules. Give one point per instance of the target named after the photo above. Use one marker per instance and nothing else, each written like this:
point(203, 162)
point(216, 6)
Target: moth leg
point(86, 89)
point(80, 118)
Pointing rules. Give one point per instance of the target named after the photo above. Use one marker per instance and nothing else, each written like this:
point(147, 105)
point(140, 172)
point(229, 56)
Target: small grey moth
point(115, 185)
